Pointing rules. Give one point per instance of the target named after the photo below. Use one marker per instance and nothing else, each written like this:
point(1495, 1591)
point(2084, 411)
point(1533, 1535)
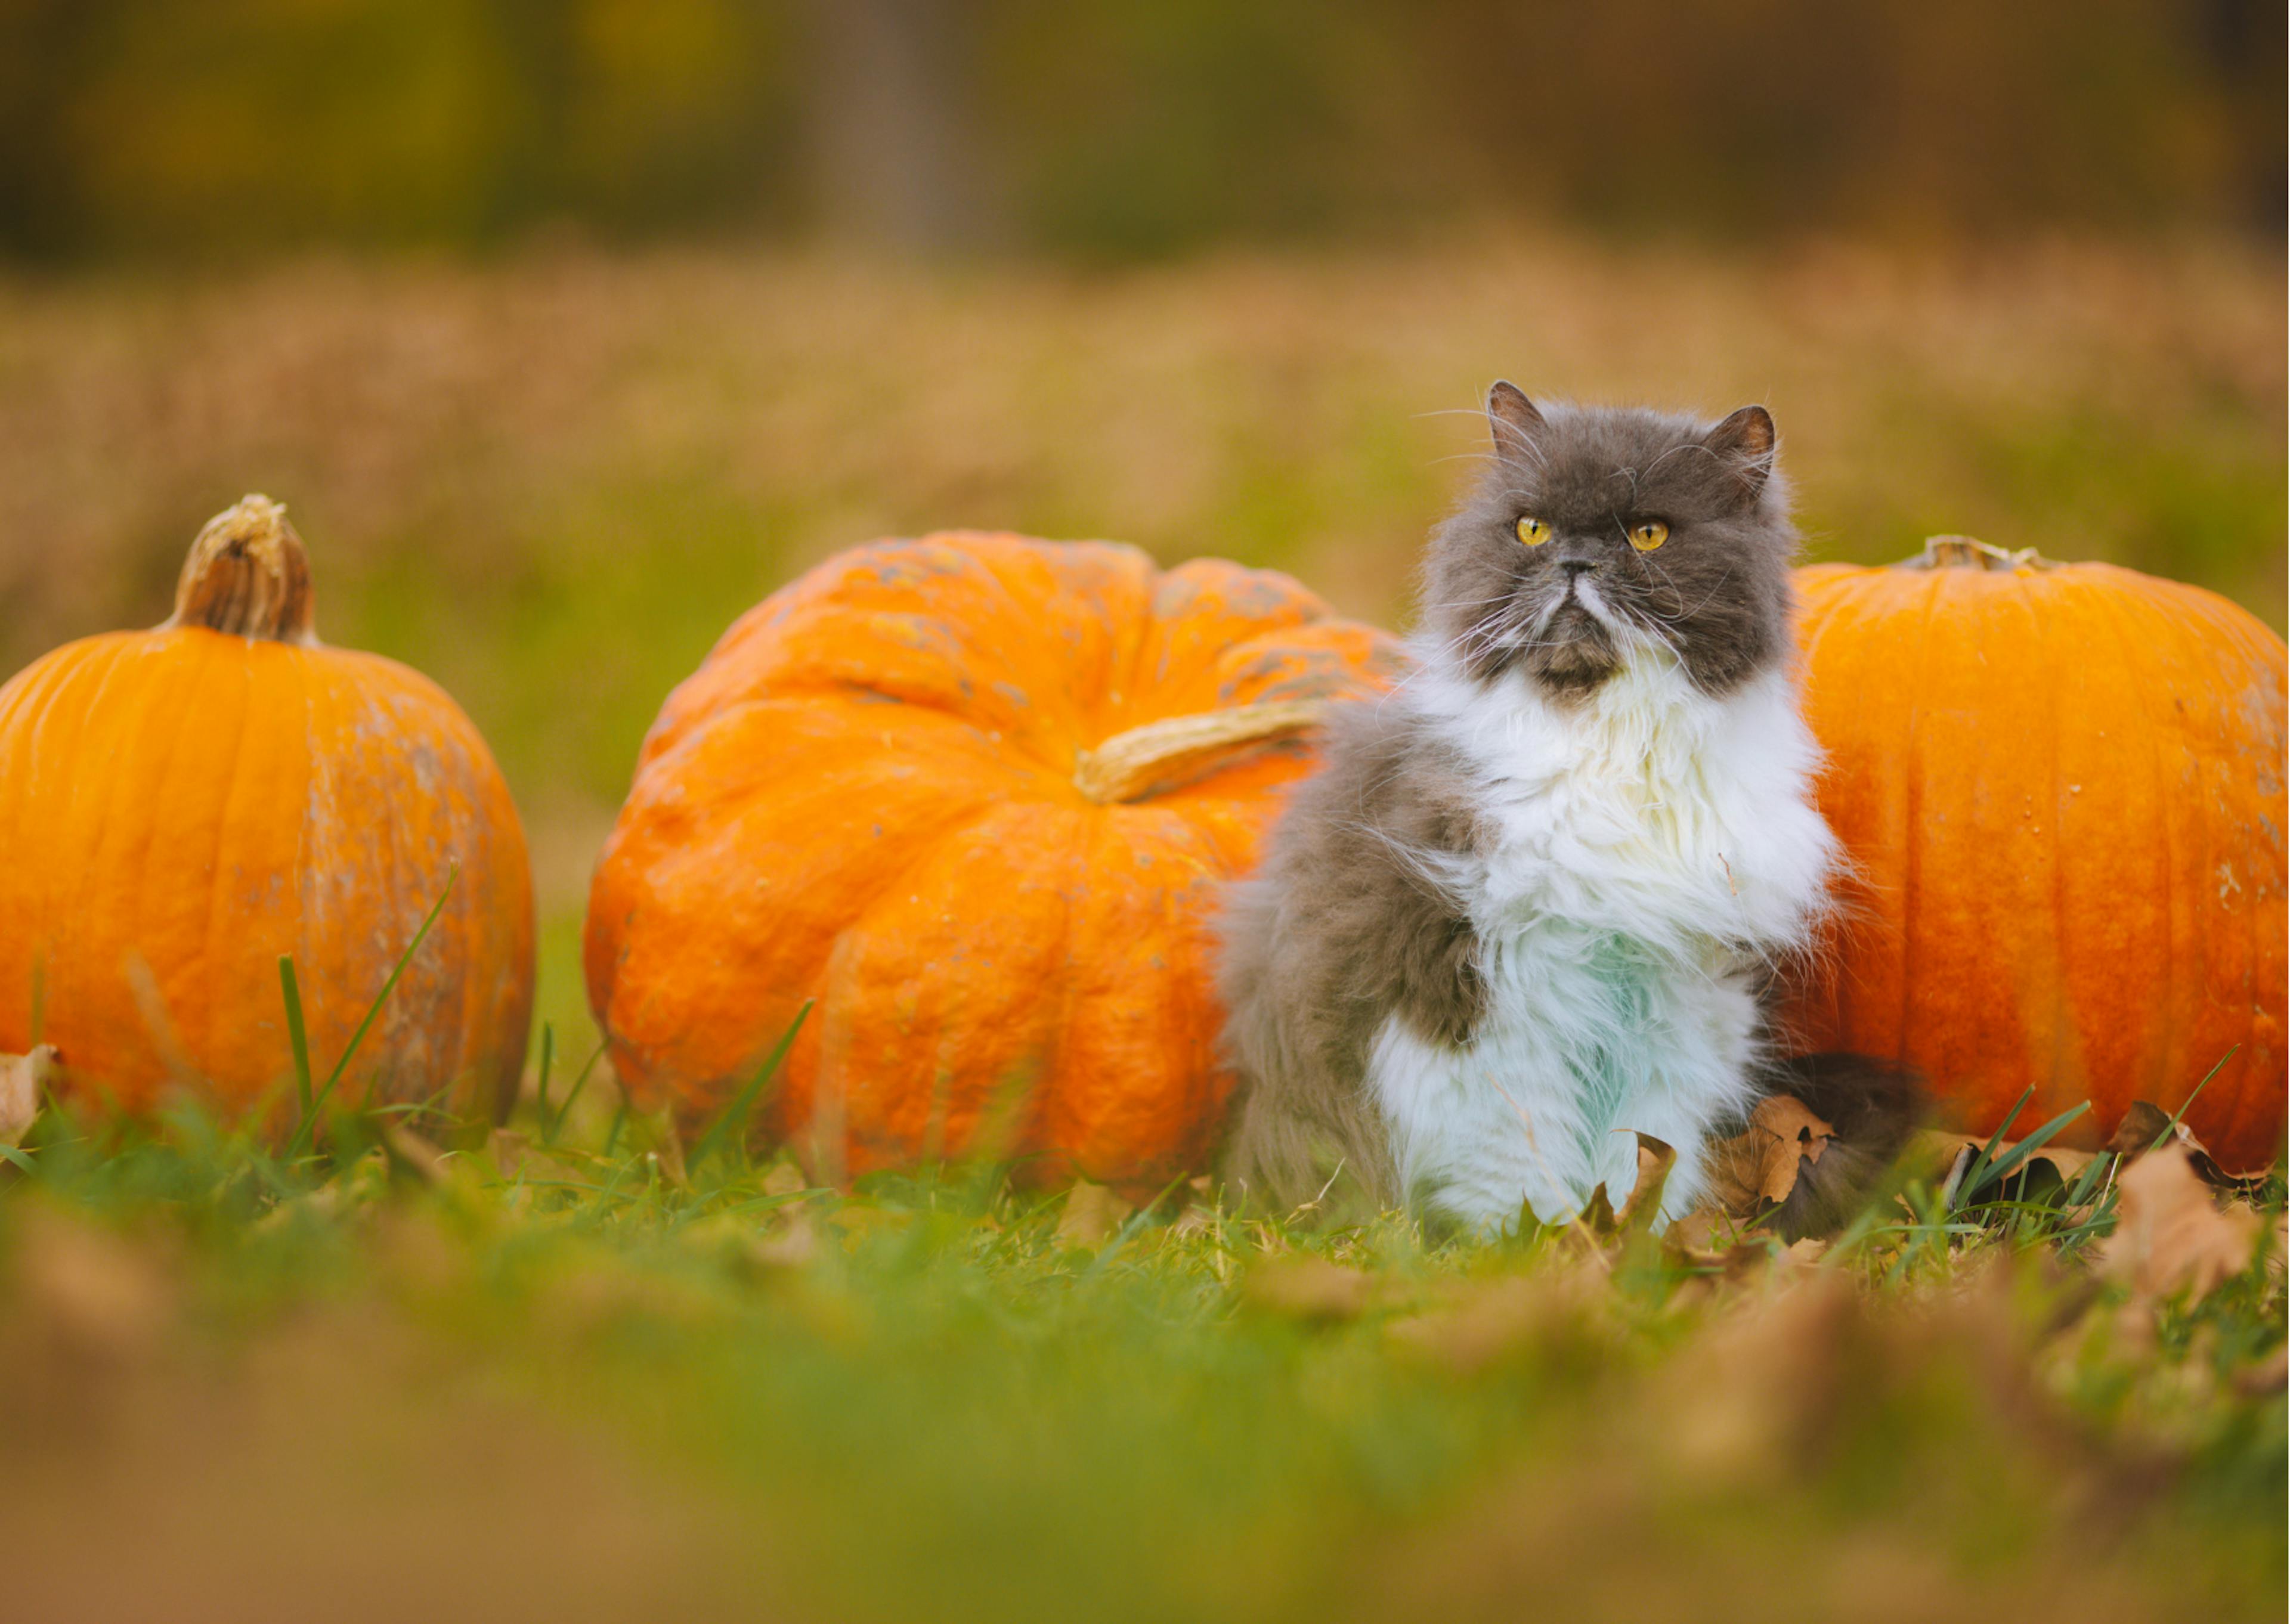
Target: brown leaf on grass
point(1758, 1167)
point(1950, 1155)
point(23, 1079)
point(1094, 1213)
point(2142, 1126)
point(2172, 1234)
point(1723, 1253)
point(2145, 1125)
point(1310, 1289)
point(1655, 1159)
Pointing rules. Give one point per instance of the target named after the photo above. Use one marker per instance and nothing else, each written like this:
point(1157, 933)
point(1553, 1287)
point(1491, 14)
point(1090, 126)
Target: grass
point(703, 1388)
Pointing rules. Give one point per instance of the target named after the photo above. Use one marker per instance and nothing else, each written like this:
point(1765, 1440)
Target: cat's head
point(1600, 532)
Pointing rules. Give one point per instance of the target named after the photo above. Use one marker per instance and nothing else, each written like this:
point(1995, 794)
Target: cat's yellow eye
point(1534, 532)
point(1649, 534)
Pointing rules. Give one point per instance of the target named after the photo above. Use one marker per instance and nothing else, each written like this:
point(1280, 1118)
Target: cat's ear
point(1516, 423)
point(1744, 445)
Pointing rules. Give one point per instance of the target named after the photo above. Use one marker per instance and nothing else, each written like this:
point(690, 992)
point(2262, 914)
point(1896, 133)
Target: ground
point(562, 1371)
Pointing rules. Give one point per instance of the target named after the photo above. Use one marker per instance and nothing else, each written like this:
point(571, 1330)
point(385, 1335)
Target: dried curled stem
point(248, 575)
point(1966, 553)
point(1174, 751)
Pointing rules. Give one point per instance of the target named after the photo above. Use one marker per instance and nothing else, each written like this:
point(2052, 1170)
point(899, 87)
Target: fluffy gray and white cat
point(1532, 900)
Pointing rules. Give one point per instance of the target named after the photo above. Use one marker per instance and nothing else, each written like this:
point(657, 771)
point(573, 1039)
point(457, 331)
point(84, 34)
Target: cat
point(1535, 896)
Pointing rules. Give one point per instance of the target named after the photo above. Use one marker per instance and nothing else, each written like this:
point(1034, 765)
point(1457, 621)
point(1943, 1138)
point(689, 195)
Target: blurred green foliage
point(1120, 128)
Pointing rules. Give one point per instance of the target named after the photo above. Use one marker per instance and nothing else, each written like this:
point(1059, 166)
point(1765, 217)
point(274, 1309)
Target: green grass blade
point(297, 1035)
point(2188, 1103)
point(1128, 1231)
point(2086, 1187)
point(2034, 1142)
point(737, 1111)
point(308, 1129)
point(541, 1089)
point(1976, 1175)
point(551, 1129)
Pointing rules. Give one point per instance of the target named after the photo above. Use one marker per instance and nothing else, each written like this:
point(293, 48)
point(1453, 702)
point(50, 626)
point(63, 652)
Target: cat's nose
point(1578, 566)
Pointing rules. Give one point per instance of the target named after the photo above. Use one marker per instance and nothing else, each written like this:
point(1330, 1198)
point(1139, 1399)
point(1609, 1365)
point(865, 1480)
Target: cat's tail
point(1874, 1106)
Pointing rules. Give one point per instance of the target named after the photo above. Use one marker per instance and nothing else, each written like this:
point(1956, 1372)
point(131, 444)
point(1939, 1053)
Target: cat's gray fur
point(1352, 920)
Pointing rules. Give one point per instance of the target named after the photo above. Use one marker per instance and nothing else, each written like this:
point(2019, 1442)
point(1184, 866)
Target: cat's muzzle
point(1575, 646)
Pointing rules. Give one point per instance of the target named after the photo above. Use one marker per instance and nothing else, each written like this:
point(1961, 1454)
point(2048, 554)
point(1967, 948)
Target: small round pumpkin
point(180, 807)
point(972, 796)
point(2061, 789)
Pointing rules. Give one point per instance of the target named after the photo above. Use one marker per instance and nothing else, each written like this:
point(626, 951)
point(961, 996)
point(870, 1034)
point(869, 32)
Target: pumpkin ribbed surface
point(973, 795)
point(180, 807)
point(2062, 789)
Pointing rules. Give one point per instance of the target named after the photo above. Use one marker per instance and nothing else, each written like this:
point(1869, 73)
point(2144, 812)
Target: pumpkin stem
point(247, 575)
point(1175, 750)
point(1966, 553)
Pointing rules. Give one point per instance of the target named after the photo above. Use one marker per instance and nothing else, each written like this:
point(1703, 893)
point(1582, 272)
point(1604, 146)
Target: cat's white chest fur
point(1650, 846)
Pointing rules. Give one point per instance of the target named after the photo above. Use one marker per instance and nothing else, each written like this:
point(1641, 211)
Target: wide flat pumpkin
point(972, 796)
point(2061, 789)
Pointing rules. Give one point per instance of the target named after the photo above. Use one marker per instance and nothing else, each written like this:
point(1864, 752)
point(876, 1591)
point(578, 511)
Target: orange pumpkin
point(180, 806)
point(973, 795)
point(2062, 787)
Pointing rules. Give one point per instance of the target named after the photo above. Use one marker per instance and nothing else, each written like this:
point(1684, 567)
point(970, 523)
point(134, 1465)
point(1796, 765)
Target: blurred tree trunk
point(891, 124)
point(45, 46)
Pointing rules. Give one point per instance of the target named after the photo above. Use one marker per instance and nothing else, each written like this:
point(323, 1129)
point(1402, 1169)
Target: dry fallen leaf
point(2142, 1126)
point(23, 1079)
point(1655, 1159)
point(1094, 1213)
point(2145, 1125)
point(1758, 1167)
point(2172, 1234)
point(1950, 1155)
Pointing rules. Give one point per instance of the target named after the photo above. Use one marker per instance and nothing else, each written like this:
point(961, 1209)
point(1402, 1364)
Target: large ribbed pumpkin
point(973, 795)
point(2061, 785)
point(180, 807)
